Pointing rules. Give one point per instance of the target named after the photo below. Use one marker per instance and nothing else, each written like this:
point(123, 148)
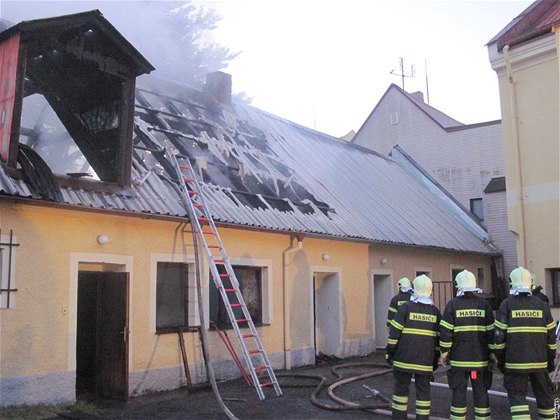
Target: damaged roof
point(257, 170)
point(261, 171)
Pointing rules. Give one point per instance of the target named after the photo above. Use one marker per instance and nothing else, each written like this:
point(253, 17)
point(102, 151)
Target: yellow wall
point(529, 95)
point(39, 333)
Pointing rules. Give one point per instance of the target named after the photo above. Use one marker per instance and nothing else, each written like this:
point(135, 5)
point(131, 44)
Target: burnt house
point(97, 265)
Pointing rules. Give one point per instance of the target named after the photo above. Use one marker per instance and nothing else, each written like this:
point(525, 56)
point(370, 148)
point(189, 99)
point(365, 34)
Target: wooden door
point(103, 297)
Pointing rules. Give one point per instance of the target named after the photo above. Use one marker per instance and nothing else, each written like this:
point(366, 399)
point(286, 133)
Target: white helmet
point(466, 282)
point(404, 284)
point(520, 281)
point(423, 289)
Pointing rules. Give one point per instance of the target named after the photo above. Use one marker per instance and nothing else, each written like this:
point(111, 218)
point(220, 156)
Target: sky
point(325, 64)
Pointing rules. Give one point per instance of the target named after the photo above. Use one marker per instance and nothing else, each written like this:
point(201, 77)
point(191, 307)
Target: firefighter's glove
point(437, 355)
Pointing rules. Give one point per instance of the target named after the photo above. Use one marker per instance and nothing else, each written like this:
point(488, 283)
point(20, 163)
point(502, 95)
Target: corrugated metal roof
point(266, 172)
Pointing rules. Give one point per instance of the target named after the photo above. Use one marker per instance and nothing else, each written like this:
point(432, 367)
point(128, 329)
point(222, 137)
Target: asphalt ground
point(324, 391)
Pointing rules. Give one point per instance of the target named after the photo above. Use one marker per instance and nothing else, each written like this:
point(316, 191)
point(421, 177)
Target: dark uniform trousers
point(516, 385)
point(458, 381)
point(400, 395)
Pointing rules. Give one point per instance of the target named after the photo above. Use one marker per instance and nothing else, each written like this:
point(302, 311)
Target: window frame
point(8, 246)
point(218, 316)
point(217, 307)
point(554, 275)
point(193, 319)
point(475, 210)
point(184, 273)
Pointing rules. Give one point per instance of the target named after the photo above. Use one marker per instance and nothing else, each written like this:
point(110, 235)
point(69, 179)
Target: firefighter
point(405, 292)
point(525, 342)
point(536, 290)
point(466, 342)
point(412, 349)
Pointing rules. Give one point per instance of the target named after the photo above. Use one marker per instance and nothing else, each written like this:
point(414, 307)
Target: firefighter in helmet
point(466, 342)
point(536, 290)
point(405, 292)
point(525, 342)
point(412, 349)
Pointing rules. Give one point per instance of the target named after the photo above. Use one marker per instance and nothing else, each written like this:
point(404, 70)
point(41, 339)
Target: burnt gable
point(74, 88)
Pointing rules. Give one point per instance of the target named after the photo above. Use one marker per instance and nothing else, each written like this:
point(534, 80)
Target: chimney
point(218, 84)
point(418, 97)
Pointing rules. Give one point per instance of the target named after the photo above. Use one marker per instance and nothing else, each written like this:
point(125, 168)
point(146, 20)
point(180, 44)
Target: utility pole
point(401, 74)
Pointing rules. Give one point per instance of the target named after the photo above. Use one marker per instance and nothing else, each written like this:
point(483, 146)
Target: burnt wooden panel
point(9, 52)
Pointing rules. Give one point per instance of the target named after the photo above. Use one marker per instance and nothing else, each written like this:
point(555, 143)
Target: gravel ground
point(305, 395)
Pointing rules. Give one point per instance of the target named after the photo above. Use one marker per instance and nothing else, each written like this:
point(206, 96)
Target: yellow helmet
point(520, 281)
point(423, 286)
point(404, 284)
point(466, 282)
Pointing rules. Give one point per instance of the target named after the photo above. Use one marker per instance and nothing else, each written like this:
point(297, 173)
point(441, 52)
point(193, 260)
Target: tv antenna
point(402, 74)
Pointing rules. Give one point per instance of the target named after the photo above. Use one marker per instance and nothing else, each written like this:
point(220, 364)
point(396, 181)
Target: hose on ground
point(342, 405)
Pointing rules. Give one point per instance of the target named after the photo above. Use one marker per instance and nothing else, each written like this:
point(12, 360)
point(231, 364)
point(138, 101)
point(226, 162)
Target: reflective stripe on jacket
point(467, 332)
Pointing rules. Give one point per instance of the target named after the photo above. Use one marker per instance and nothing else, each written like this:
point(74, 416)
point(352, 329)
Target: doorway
point(327, 332)
point(102, 335)
point(382, 294)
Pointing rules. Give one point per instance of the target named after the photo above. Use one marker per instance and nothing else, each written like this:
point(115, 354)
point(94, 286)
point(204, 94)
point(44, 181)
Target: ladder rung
point(198, 205)
point(230, 290)
point(214, 246)
point(192, 192)
point(203, 219)
point(240, 320)
point(260, 367)
point(188, 179)
point(184, 167)
point(220, 261)
point(247, 335)
point(266, 384)
point(225, 275)
point(235, 305)
point(208, 233)
point(254, 351)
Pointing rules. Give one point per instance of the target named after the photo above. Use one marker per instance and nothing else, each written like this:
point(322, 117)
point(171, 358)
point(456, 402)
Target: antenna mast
point(401, 74)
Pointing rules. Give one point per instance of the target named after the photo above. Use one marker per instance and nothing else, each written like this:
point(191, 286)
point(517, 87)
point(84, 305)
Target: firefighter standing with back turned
point(412, 349)
point(466, 342)
point(525, 343)
point(405, 292)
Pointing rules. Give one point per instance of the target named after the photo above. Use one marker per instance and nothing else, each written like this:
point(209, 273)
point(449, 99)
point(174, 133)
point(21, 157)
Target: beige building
point(100, 284)
point(525, 57)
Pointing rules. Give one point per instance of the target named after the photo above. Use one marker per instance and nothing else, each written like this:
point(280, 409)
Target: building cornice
point(538, 51)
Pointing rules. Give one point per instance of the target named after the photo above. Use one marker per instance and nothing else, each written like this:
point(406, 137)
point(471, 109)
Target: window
point(423, 272)
point(480, 278)
point(171, 297)
point(8, 247)
point(477, 208)
point(555, 280)
point(394, 118)
point(250, 285)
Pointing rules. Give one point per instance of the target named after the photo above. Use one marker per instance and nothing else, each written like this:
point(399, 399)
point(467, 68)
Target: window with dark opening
point(171, 297)
point(250, 285)
point(555, 281)
point(477, 208)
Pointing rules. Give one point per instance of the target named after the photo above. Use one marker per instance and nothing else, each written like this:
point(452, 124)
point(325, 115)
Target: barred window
point(8, 246)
